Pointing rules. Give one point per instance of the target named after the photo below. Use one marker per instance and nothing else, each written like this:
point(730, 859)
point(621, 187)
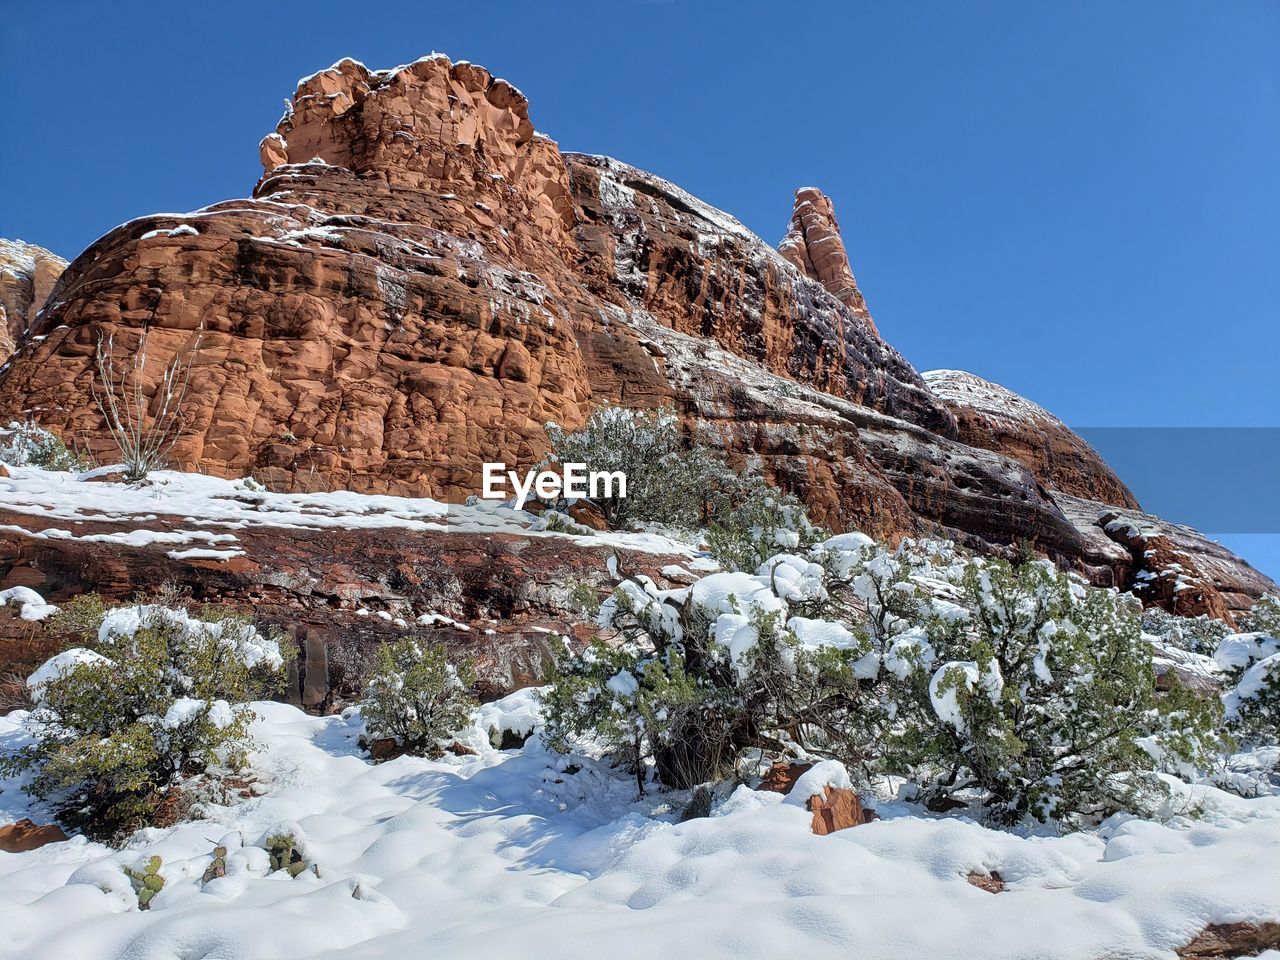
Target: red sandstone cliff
point(27, 276)
point(421, 280)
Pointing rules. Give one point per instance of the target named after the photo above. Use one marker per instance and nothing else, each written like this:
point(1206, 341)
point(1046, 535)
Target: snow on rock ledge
point(994, 418)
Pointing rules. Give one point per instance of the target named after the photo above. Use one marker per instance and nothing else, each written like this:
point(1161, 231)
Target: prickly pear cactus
point(147, 881)
point(285, 855)
point(218, 868)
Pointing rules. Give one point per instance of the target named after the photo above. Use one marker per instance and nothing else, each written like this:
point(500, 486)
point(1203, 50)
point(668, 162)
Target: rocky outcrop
point(836, 808)
point(814, 246)
point(338, 592)
point(993, 418)
point(1168, 565)
point(782, 776)
point(991, 882)
point(1233, 940)
point(27, 277)
point(26, 835)
point(421, 281)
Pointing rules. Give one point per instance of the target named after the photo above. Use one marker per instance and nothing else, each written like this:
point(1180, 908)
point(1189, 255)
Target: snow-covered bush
point(1263, 618)
point(1251, 663)
point(1021, 688)
point(1200, 634)
point(683, 487)
point(414, 695)
point(761, 521)
point(702, 674)
point(154, 696)
point(665, 484)
point(632, 705)
point(26, 443)
point(1013, 688)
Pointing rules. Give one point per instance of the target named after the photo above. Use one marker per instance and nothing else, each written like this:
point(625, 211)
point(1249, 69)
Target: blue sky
point(1078, 201)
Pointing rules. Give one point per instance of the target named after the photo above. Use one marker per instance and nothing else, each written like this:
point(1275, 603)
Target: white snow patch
point(31, 605)
point(520, 853)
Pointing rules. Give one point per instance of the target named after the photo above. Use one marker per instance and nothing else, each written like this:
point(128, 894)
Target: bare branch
point(120, 391)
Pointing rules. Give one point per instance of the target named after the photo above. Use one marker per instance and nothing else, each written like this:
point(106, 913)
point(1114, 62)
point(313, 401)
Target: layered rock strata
point(420, 281)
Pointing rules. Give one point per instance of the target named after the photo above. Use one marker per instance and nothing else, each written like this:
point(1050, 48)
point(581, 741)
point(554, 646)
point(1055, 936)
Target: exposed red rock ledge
point(1233, 940)
point(501, 596)
point(995, 418)
point(26, 835)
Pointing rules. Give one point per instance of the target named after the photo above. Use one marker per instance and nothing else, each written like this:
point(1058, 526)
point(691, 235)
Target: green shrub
point(554, 521)
point(1200, 634)
point(1251, 663)
point(632, 705)
point(1015, 689)
point(700, 677)
point(29, 444)
point(414, 695)
point(1033, 694)
point(761, 521)
point(80, 617)
point(683, 487)
point(1263, 618)
point(645, 445)
point(1253, 704)
point(584, 599)
point(149, 701)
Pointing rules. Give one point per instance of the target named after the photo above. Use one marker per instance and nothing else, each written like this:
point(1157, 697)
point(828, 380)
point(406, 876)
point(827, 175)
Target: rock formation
point(814, 246)
point(1233, 940)
point(836, 808)
point(1167, 565)
point(27, 276)
point(503, 597)
point(421, 281)
point(993, 418)
point(1173, 566)
point(26, 835)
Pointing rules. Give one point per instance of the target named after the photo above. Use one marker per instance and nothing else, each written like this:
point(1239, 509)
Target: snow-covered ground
point(201, 513)
point(511, 854)
point(525, 853)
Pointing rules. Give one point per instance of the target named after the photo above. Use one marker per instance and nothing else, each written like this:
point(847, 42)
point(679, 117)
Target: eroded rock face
point(503, 598)
point(413, 290)
point(27, 277)
point(1168, 565)
point(814, 246)
point(421, 281)
point(993, 418)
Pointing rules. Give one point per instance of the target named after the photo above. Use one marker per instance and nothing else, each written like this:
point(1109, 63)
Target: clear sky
point(1077, 200)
